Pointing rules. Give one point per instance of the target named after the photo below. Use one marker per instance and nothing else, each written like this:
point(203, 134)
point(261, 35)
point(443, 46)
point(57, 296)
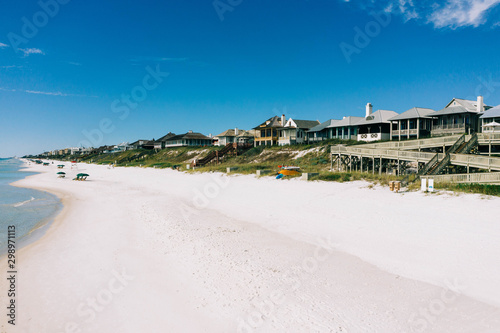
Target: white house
point(295, 131)
point(376, 125)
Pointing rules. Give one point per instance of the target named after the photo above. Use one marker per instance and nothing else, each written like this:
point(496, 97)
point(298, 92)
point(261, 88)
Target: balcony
point(448, 129)
point(368, 137)
point(404, 132)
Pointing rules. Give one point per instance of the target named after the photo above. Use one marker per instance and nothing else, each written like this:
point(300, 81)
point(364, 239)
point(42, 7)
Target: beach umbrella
point(61, 165)
point(82, 175)
point(61, 173)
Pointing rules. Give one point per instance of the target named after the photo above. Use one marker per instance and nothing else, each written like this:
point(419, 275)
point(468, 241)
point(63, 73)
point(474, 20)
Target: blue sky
point(67, 67)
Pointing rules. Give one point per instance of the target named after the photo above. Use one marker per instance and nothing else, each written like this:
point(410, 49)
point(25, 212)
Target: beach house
point(414, 123)
point(459, 116)
point(321, 131)
point(234, 136)
point(160, 143)
point(188, 139)
point(267, 133)
point(345, 129)
point(295, 131)
point(376, 125)
point(490, 120)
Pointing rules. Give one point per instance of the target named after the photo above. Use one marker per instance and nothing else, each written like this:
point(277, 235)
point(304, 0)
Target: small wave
point(19, 204)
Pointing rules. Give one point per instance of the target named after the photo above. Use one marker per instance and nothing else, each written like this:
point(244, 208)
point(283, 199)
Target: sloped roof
point(274, 122)
point(231, 132)
point(347, 121)
point(452, 110)
point(470, 106)
point(492, 113)
point(323, 125)
point(414, 113)
point(306, 124)
point(165, 137)
point(380, 116)
point(189, 135)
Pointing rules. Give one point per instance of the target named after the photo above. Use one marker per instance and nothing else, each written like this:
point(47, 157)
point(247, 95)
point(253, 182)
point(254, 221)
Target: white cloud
point(30, 51)
point(48, 93)
point(446, 14)
point(459, 13)
point(2, 45)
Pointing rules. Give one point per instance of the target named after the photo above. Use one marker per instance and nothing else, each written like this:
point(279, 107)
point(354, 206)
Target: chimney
point(368, 109)
point(480, 104)
point(190, 131)
point(236, 131)
point(283, 120)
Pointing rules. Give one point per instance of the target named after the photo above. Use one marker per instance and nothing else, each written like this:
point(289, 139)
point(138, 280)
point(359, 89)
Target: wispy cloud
point(74, 63)
point(31, 51)
point(447, 14)
point(48, 93)
point(2, 45)
point(459, 13)
point(11, 66)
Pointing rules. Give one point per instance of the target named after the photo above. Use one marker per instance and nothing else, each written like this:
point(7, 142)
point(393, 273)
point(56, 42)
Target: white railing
point(490, 177)
point(415, 144)
point(385, 153)
point(448, 126)
point(486, 137)
point(483, 162)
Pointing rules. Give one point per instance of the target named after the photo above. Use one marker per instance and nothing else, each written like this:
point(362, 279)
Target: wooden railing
point(487, 177)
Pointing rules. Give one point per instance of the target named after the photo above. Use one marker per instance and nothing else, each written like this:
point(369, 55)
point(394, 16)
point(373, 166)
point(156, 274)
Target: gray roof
point(323, 125)
point(347, 121)
point(452, 110)
point(492, 113)
point(241, 133)
point(414, 113)
point(306, 124)
point(380, 116)
point(166, 137)
point(189, 135)
point(469, 105)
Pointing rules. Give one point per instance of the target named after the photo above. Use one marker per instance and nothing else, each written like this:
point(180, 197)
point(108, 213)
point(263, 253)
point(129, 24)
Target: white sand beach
point(149, 250)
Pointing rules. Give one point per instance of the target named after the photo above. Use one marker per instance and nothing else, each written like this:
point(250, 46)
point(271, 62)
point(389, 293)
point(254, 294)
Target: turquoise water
point(27, 209)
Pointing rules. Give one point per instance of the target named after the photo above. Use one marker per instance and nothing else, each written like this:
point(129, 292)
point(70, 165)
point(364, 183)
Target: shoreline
point(42, 226)
point(40, 233)
point(194, 245)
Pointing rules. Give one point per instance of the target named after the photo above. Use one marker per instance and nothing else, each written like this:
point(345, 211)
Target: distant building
point(415, 123)
point(458, 117)
point(160, 143)
point(320, 132)
point(267, 133)
point(234, 135)
point(142, 144)
point(345, 129)
point(375, 126)
point(490, 120)
point(124, 146)
point(295, 131)
point(188, 139)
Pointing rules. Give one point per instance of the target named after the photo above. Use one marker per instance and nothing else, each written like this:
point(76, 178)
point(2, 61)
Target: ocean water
point(29, 210)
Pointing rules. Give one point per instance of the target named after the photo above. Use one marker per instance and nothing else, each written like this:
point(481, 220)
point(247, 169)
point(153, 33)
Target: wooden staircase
point(231, 149)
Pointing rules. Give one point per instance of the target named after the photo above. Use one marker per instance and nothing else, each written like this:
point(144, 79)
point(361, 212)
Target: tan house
point(267, 133)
